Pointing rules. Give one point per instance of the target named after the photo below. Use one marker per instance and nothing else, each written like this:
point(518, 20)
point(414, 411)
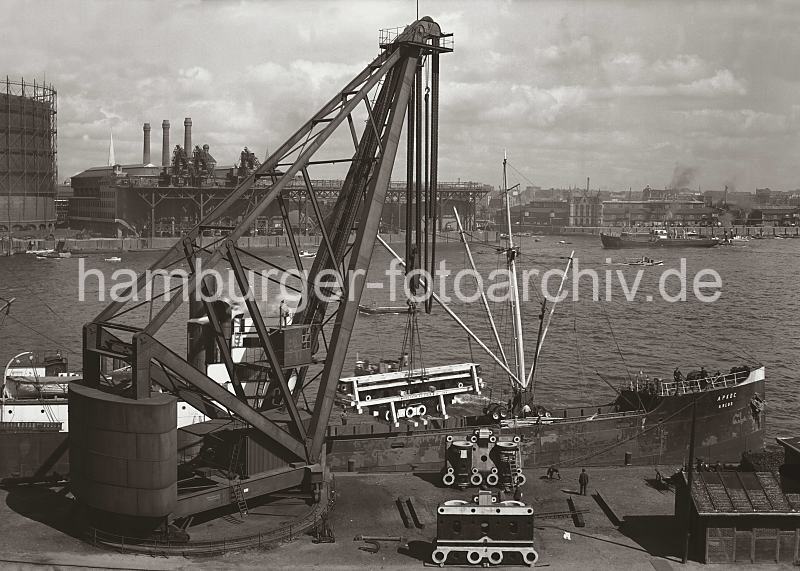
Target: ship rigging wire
point(43, 302)
point(580, 459)
point(44, 335)
point(703, 340)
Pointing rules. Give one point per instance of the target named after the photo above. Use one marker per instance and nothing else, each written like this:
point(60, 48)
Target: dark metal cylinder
point(459, 454)
point(505, 457)
point(146, 144)
point(187, 135)
point(165, 143)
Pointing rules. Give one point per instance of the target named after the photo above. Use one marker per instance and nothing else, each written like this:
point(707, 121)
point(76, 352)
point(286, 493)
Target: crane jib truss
point(386, 89)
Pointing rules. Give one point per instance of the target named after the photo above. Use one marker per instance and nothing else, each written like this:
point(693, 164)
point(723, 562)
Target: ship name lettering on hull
point(726, 400)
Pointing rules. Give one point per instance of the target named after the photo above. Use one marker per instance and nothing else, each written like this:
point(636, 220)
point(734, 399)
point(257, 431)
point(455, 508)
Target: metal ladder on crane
point(236, 485)
point(261, 388)
point(513, 467)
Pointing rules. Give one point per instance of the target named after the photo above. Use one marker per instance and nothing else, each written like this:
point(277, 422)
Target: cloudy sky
point(627, 92)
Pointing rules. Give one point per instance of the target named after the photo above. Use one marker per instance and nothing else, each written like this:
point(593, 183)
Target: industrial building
point(27, 157)
point(738, 516)
point(553, 213)
point(143, 199)
point(682, 210)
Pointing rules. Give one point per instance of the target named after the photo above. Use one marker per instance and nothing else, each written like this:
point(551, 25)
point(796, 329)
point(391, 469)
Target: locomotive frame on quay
point(28, 171)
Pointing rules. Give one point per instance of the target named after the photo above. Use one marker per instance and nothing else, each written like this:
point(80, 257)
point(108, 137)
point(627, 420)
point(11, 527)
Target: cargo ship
point(657, 238)
point(650, 421)
point(644, 425)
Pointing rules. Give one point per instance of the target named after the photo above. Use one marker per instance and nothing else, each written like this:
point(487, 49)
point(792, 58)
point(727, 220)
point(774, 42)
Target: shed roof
point(738, 493)
point(790, 442)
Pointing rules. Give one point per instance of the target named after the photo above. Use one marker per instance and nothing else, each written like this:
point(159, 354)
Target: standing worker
point(283, 312)
point(583, 480)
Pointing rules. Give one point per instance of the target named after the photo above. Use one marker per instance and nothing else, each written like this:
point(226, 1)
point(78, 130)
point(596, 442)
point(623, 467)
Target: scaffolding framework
point(28, 147)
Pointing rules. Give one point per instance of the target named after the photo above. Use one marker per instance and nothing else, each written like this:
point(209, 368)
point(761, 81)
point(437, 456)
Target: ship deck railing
point(706, 384)
point(438, 425)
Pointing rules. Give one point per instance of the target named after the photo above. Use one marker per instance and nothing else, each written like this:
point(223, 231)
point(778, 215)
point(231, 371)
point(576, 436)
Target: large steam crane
point(289, 441)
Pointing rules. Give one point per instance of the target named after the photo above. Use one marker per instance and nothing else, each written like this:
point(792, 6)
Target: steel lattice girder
point(363, 195)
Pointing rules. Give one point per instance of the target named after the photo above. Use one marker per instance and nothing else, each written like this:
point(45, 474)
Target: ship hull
point(618, 242)
point(726, 426)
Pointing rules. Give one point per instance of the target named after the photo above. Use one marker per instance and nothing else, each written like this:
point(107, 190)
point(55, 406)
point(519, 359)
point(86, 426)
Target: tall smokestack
point(165, 144)
point(187, 135)
point(146, 144)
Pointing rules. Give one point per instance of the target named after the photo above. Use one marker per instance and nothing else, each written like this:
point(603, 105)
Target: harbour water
point(589, 344)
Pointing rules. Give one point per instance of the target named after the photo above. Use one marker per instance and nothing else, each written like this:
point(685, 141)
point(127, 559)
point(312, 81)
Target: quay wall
point(96, 245)
point(701, 230)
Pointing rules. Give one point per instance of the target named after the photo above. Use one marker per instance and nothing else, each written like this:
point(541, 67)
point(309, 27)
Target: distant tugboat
point(61, 251)
point(658, 238)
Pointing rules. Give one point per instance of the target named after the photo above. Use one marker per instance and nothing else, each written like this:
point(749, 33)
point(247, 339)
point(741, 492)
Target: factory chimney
point(146, 144)
point(187, 135)
point(165, 144)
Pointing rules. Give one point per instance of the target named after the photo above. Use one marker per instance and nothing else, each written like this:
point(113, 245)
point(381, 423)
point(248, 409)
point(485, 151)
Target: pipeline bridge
point(175, 200)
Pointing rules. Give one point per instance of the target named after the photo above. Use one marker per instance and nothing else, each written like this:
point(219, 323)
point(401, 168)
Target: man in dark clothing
point(583, 480)
point(553, 473)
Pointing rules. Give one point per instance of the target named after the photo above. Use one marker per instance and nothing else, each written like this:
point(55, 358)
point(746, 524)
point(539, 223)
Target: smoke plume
point(682, 177)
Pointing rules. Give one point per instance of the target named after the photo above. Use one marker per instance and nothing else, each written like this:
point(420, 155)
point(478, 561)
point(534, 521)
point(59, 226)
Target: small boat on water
point(113, 259)
point(60, 252)
point(307, 254)
point(381, 310)
point(734, 239)
point(644, 261)
point(54, 256)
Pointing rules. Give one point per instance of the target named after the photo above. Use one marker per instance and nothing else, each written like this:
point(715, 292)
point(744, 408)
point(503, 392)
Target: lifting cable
point(614, 338)
point(578, 351)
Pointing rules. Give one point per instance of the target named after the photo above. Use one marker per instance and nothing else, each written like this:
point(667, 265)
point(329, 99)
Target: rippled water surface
point(757, 318)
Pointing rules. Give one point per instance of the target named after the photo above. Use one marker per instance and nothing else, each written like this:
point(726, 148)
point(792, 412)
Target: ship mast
point(5, 305)
point(511, 254)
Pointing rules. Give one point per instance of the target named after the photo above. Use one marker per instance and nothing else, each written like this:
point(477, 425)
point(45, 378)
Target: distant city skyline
point(629, 94)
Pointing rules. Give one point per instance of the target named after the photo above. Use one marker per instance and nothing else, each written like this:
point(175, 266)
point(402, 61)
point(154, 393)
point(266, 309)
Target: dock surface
point(35, 526)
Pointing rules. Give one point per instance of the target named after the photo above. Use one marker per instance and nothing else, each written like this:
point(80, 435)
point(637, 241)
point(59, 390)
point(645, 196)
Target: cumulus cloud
point(633, 68)
point(737, 122)
point(722, 82)
point(195, 73)
point(617, 91)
